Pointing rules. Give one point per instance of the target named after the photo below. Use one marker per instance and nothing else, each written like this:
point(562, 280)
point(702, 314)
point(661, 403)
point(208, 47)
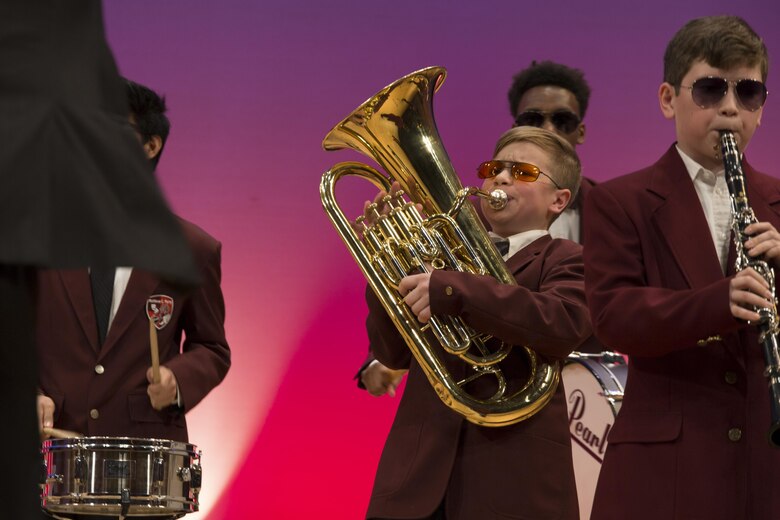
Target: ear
point(666, 99)
point(581, 133)
point(561, 201)
point(153, 146)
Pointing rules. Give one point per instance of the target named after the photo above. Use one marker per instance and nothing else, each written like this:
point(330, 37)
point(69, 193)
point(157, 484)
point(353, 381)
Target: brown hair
point(564, 159)
point(723, 42)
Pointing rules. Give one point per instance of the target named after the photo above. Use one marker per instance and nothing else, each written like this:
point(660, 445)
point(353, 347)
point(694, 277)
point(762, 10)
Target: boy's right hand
point(45, 407)
point(748, 290)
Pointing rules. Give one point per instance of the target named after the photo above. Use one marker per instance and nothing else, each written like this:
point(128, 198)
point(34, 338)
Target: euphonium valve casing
point(396, 128)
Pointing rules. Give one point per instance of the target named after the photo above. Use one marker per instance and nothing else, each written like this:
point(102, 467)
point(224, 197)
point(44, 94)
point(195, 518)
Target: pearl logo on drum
point(581, 433)
point(593, 384)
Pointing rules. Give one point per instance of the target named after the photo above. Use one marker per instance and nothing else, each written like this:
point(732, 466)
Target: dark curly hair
point(549, 73)
point(149, 109)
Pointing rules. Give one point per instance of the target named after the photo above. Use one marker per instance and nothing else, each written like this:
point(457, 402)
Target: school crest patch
point(159, 309)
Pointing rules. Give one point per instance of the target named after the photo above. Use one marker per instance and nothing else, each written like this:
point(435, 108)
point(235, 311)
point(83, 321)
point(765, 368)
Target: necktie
point(502, 244)
point(102, 280)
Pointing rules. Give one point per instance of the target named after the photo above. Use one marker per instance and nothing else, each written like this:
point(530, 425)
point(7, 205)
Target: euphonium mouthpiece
point(498, 199)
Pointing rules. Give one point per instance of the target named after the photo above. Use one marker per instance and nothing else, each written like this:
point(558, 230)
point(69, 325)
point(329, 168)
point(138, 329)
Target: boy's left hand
point(764, 240)
point(414, 289)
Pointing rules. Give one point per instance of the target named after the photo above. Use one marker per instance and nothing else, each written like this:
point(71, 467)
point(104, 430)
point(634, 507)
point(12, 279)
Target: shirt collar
point(520, 240)
point(697, 170)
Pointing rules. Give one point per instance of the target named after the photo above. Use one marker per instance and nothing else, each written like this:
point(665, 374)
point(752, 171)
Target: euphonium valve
point(396, 128)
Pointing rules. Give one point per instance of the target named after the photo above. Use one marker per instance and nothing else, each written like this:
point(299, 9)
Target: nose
point(504, 178)
point(548, 125)
point(729, 105)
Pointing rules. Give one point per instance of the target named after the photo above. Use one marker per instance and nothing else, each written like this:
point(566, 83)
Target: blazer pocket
point(140, 410)
point(646, 427)
point(398, 457)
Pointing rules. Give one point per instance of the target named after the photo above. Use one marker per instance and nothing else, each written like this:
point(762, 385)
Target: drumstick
point(61, 434)
point(155, 352)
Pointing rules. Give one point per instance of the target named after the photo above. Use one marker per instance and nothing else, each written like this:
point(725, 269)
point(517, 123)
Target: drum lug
point(79, 472)
point(184, 474)
point(197, 475)
point(158, 469)
point(192, 474)
point(124, 504)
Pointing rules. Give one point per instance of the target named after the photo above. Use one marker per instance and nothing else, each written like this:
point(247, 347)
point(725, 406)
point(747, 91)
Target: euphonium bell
point(396, 128)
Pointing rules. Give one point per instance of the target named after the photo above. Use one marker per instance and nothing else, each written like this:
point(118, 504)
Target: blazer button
point(99, 369)
point(95, 414)
point(448, 290)
point(730, 377)
point(735, 434)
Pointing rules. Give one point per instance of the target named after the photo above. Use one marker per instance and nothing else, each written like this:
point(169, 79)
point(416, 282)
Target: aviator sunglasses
point(564, 120)
point(521, 171)
point(709, 91)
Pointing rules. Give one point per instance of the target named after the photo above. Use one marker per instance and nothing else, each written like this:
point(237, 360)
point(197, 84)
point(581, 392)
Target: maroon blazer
point(102, 390)
point(691, 437)
point(519, 471)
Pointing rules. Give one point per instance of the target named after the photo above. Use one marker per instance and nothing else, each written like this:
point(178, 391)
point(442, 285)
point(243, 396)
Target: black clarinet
point(742, 217)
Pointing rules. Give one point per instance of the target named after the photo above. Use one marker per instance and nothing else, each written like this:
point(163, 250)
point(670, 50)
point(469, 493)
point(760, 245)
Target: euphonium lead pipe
point(742, 217)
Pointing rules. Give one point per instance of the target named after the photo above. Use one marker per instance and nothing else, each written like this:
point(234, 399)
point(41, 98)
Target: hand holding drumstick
point(45, 406)
point(162, 393)
point(162, 389)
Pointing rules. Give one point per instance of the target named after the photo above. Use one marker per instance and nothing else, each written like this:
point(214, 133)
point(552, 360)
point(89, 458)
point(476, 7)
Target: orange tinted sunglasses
point(521, 171)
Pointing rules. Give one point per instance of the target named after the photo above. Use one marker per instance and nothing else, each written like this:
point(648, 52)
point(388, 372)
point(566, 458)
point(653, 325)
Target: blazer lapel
point(680, 220)
point(519, 260)
point(79, 290)
point(133, 305)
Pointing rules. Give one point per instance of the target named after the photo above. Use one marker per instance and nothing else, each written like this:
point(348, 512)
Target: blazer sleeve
point(369, 359)
point(385, 342)
point(205, 356)
point(552, 320)
point(628, 314)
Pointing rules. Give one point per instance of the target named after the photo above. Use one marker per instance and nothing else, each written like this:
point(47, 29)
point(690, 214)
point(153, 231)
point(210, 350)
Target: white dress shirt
point(714, 197)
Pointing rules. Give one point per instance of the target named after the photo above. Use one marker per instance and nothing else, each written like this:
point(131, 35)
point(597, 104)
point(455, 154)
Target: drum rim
point(603, 372)
point(118, 443)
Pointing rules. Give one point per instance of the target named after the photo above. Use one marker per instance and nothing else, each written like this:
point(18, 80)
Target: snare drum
point(594, 385)
point(120, 476)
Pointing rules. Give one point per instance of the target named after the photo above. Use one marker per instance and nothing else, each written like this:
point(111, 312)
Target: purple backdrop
point(252, 88)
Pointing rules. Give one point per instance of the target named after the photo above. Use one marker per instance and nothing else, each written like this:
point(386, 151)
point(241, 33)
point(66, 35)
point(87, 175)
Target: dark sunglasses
point(709, 91)
point(564, 120)
point(521, 171)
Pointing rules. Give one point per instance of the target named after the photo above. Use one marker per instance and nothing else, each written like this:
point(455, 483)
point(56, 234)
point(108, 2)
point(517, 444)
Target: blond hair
point(563, 158)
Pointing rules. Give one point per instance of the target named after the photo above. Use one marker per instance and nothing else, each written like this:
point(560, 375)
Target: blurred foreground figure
point(72, 193)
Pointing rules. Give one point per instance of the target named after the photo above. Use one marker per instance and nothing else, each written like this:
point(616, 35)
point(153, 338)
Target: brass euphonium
point(396, 128)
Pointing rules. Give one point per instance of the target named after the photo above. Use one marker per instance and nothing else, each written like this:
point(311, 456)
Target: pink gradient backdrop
point(252, 88)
